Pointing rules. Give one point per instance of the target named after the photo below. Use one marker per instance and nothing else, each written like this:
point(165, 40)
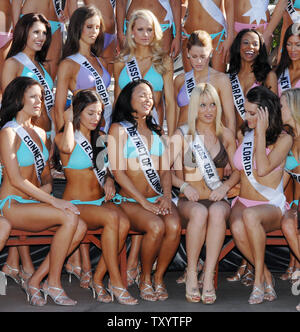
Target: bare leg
point(290, 231)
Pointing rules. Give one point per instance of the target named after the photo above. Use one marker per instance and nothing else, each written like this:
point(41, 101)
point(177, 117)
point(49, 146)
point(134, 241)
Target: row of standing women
point(139, 198)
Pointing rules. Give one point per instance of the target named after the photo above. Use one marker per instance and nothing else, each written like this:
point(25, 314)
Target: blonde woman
point(290, 111)
point(143, 56)
point(203, 206)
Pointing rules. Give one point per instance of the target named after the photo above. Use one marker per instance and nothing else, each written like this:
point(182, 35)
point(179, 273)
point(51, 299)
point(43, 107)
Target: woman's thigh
point(33, 217)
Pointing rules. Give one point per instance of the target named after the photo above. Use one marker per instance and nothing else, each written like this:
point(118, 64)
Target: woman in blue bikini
point(290, 224)
point(139, 161)
point(90, 188)
point(27, 58)
point(56, 18)
point(25, 199)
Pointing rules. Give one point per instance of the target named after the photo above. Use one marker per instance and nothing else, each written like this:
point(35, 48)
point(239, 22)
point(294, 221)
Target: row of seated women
point(139, 158)
point(81, 69)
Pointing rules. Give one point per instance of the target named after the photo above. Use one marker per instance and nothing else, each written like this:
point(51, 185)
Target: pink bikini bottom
point(250, 203)
point(5, 37)
point(241, 26)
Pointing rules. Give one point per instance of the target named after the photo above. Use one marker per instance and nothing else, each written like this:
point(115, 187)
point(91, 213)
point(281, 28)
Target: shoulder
point(12, 64)
point(41, 132)
point(272, 75)
point(116, 129)
point(179, 79)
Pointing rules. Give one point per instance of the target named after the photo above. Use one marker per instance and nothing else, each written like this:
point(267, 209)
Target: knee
point(287, 225)
point(71, 221)
point(82, 227)
point(237, 228)
point(217, 216)
point(113, 221)
point(198, 216)
point(173, 227)
point(156, 228)
point(124, 225)
point(5, 229)
point(250, 218)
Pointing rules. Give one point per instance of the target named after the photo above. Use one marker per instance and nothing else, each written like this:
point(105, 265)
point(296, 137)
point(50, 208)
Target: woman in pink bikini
point(260, 157)
point(5, 32)
point(254, 14)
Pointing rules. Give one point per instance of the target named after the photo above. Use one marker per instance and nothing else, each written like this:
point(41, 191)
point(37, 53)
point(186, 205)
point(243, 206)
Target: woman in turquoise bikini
point(90, 188)
point(31, 40)
point(290, 224)
point(56, 18)
point(25, 192)
point(139, 163)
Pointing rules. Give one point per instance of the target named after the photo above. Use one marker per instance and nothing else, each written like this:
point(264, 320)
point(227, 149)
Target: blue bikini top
point(297, 4)
point(291, 162)
point(157, 148)
point(25, 156)
point(152, 76)
point(28, 73)
point(80, 160)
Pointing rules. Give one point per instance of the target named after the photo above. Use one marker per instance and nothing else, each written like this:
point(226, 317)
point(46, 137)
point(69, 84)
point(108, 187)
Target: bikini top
point(237, 159)
point(28, 73)
point(157, 148)
point(297, 85)
point(152, 76)
point(80, 160)
point(297, 4)
point(85, 79)
point(182, 97)
point(25, 156)
point(291, 162)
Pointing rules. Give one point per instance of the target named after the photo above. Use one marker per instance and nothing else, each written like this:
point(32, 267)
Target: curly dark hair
point(123, 110)
point(265, 98)
point(261, 66)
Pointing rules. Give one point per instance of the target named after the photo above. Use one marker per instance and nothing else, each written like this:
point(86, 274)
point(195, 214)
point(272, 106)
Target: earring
point(132, 36)
point(188, 56)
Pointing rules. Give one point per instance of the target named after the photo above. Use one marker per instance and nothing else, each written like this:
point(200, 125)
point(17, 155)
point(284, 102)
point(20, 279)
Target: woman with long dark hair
point(25, 192)
point(260, 157)
point(89, 186)
point(27, 57)
point(139, 162)
point(248, 68)
point(81, 66)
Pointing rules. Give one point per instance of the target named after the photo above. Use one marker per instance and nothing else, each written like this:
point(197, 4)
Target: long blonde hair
point(203, 89)
point(156, 44)
point(293, 101)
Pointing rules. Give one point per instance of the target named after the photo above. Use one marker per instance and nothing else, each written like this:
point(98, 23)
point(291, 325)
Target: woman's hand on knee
point(65, 206)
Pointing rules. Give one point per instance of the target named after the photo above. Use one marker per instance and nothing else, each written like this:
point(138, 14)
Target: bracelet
point(183, 186)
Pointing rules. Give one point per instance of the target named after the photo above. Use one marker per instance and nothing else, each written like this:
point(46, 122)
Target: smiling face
point(293, 47)
point(142, 100)
point(199, 57)
point(37, 35)
point(90, 116)
point(91, 30)
point(143, 32)
point(32, 101)
point(207, 110)
point(250, 46)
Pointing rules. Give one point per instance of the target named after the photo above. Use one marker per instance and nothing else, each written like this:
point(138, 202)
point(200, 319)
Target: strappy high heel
point(148, 292)
point(209, 297)
point(73, 271)
point(288, 273)
point(270, 294)
point(35, 298)
point(24, 276)
point(133, 275)
point(102, 295)
point(160, 291)
point(3, 283)
point(238, 275)
point(257, 295)
point(14, 276)
point(193, 294)
point(248, 278)
point(86, 280)
point(124, 297)
point(58, 298)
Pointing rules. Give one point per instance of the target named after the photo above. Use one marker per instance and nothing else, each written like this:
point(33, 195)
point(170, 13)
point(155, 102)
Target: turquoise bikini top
point(28, 73)
point(25, 156)
point(80, 160)
point(297, 4)
point(157, 148)
point(152, 76)
point(291, 162)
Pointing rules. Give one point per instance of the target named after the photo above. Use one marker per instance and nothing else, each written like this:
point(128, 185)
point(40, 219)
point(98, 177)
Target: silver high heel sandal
point(123, 297)
point(59, 298)
point(15, 277)
point(35, 299)
point(73, 271)
point(86, 280)
point(100, 292)
point(3, 283)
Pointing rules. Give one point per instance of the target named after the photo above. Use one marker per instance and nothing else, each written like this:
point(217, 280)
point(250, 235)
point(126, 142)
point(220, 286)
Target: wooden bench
point(22, 238)
point(18, 238)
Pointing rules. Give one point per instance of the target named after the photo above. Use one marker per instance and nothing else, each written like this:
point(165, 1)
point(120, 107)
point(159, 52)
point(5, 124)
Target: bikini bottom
point(220, 34)
point(241, 26)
